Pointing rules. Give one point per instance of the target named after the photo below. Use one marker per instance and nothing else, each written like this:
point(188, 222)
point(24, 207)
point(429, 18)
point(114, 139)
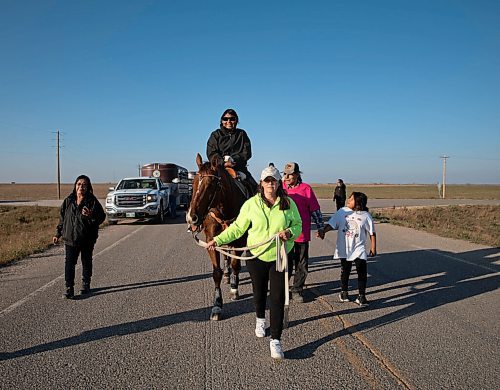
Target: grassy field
point(323, 191)
point(415, 191)
point(479, 224)
point(45, 191)
point(25, 230)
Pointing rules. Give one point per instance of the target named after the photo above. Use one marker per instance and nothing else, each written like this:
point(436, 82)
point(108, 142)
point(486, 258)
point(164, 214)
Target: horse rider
point(232, 146)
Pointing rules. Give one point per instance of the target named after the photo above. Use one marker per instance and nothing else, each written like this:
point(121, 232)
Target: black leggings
point(262, 272)
point(72, 253)
point(361, 269)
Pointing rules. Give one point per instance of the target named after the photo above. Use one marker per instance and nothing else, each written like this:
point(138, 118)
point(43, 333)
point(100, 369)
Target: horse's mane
point(209, 168)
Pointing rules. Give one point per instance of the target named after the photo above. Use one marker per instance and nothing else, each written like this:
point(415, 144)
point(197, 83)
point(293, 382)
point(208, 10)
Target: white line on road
point(54, 281)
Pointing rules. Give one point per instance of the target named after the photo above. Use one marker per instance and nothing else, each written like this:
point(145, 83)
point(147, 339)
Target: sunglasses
point(228, 118)
point(270, 179)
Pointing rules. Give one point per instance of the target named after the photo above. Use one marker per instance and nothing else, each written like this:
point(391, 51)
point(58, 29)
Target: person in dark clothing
point(231, 146)
point(80, 217)
point(339, 195)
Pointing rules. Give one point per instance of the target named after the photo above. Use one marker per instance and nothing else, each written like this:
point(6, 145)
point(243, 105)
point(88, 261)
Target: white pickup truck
point(138, 197)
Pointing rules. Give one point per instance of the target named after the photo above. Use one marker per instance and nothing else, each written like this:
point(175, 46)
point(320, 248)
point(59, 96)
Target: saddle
point(242, 185)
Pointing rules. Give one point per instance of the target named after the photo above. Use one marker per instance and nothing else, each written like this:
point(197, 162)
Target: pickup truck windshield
point(137, 184)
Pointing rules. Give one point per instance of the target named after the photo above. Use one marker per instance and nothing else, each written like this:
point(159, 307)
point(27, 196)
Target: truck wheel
point(161, 214)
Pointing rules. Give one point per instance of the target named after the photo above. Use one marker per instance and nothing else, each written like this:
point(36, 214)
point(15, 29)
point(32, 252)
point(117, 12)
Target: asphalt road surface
point(433, 321)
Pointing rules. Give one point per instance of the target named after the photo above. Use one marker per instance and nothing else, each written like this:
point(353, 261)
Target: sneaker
point(361, 300)
point(70, 293)
point(276, 351)
point(260, 327)
point(344, 296)
point(297, 297)
point(85, 289)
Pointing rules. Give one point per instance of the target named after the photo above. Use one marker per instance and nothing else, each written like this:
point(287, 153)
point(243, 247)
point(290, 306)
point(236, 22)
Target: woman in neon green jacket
point(266, 214)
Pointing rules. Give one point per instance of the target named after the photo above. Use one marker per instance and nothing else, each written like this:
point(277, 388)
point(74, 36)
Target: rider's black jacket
point(236, 144)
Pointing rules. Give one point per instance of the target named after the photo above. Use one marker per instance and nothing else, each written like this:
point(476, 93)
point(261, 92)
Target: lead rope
point(281, 262)
point(224, 249)
point(282, 266)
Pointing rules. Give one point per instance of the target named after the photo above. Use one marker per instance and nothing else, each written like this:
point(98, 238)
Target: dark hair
point(230, 111)
point(90, 190)
point(284, 201)
point(360, 201)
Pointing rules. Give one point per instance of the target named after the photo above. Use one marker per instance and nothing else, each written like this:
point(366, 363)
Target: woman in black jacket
point(80, 217)
point(339, 195)
point(231, 145)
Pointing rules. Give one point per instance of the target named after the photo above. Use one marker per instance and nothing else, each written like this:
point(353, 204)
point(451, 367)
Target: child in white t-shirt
point(354, 224)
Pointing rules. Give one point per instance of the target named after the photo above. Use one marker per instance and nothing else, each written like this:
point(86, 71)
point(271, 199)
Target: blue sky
point(368, 91)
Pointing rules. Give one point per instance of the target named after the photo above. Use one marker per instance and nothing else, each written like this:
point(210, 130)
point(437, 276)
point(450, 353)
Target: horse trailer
point(172, 174)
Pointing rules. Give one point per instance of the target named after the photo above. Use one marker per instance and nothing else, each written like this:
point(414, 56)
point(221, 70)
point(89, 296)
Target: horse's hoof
point(234, 294)
point(216, 313)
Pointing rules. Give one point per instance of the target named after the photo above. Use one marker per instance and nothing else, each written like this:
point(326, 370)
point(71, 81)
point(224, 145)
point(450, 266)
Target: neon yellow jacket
point(262, 223)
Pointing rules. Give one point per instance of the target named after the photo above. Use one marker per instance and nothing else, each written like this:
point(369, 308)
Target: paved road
point(433, 321)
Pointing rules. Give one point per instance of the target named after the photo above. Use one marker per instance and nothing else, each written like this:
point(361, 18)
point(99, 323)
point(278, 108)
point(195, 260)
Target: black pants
point(72, 253)
point(298, 261)
point(340, 203)
point(261, 273)
point(361, 269)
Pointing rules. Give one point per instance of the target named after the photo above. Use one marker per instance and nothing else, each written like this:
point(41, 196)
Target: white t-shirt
point(353, 227)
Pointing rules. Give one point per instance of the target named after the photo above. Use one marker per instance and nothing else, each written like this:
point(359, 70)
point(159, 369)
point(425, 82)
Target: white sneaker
point(276, 351)
point(260, 327)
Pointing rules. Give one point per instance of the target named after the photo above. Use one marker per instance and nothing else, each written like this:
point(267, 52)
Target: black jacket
point(236, 144)
point(75, 228)
point(340, 193)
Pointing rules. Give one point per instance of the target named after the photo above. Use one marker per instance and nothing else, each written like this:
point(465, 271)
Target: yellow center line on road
point(61, 277)
point(350, 328)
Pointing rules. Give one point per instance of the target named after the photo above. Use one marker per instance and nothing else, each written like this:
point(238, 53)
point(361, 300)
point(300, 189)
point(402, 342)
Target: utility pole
point(139, 168)
point(444, 157)
point(58, 168)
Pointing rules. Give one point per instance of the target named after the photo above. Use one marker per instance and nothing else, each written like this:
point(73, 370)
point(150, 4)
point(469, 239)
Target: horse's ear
point(199, 161)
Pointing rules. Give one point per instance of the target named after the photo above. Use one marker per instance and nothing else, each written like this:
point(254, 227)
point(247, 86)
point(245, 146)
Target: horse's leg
point(227, 269)
point(217, 276)
point(235, 278)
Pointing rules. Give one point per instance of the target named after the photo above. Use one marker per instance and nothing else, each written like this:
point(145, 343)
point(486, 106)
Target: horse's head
point(207, 190)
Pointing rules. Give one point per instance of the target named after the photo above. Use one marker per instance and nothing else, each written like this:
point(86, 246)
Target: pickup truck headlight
point(109, 200)
point(151, 198)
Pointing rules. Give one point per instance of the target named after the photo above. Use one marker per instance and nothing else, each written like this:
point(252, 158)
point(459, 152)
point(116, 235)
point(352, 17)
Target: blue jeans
point(72, 253)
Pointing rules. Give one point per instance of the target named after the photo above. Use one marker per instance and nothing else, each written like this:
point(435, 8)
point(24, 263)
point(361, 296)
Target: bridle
point(217, 188)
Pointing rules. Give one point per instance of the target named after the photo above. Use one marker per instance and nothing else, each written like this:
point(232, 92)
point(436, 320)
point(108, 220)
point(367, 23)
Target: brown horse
point(216, 202)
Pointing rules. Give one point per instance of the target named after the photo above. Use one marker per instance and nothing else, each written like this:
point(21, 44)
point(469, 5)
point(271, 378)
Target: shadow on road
point(413, 292)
